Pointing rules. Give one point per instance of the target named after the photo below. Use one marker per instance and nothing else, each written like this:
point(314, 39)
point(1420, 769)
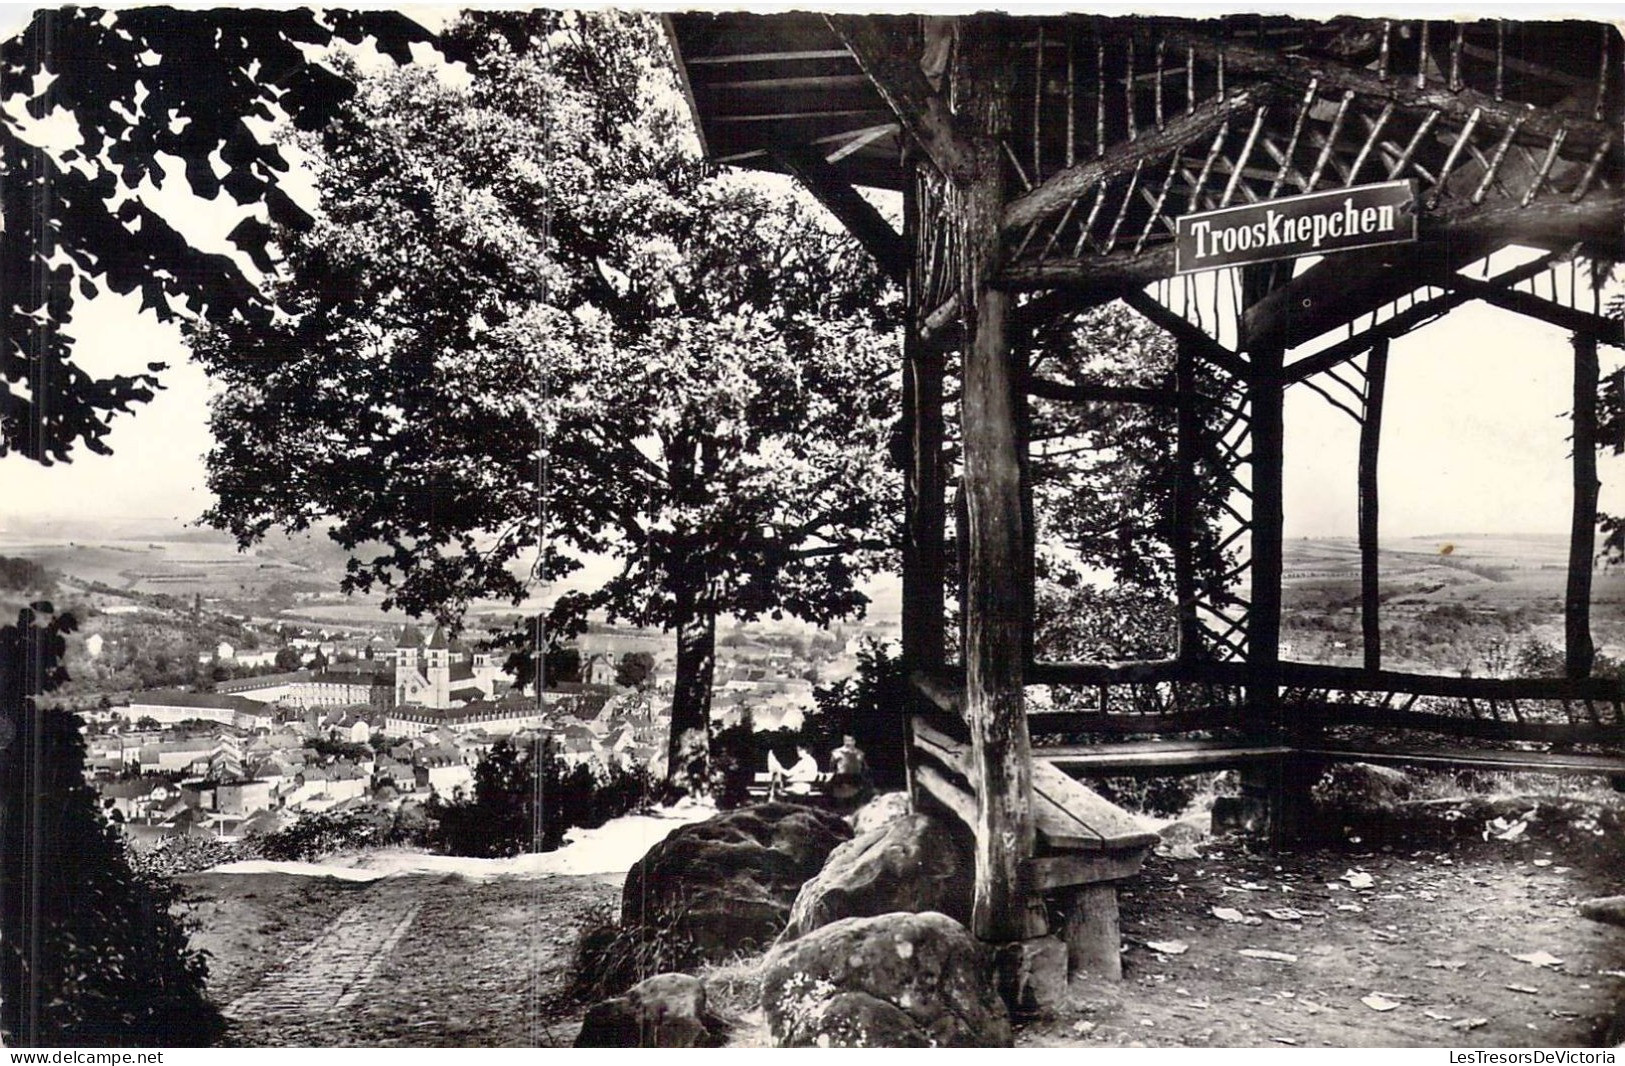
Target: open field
point(1449, 602)
point(1482, 571)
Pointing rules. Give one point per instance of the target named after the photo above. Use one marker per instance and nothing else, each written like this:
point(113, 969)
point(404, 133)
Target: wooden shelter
point(1044, 165)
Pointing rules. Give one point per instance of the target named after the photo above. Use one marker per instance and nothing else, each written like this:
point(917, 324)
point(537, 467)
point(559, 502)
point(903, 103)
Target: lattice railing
point(1169, 697)
point(1222, 605)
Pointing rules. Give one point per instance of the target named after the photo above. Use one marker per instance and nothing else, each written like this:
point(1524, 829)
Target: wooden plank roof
point(759, 85)
point(1512, 132)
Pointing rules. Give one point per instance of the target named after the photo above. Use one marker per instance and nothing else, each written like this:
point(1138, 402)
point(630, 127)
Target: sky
point(1473, 440)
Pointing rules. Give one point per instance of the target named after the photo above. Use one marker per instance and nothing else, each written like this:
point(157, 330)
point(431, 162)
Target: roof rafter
point(1403, 322)
point(1065, 187)
point(1536, 125)
point(858, 215)
point(895, 72)
point(1344, 287)
point(1607, 330)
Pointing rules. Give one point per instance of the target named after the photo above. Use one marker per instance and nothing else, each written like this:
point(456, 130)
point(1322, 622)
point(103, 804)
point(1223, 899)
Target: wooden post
point(1187, 447)
point(923, 517)
point(1021, 410)
point(1376, 373)
point(994, 603)
point(1265, 396)
point(1094, 936)
point(1578, 648)
point(923, 605)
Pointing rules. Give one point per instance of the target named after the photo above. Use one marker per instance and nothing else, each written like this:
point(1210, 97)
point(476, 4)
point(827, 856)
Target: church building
point(426, 676)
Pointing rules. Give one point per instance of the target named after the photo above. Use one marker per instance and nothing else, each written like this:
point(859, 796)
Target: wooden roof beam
point(769, 57)
point(858, 215)
point(1344, 287)
point(1187, 332)
point(1403, 322)
point(1606, 330)
point(878, 46)
point(1066, 186)
point(1538, 125)
point(1455, 234)
point(1072, 392)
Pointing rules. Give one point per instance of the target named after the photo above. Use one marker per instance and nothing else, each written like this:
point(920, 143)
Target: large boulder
point(912, 864)
point(1362, 786)
point(1181, 839)
point(725, 885)
point(667, 1010)
point(895, 980)
point(883, 810)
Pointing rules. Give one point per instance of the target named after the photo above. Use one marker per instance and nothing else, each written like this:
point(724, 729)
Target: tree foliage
point(500, 818)
point(90, 953)
point(25, 575)
point(634, 668)
point(153, 97)
point(532, 325)
point(1103, 477)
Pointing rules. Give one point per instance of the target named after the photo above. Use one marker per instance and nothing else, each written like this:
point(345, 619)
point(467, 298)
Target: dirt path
point(1399, 930)
point(404, 961)
point(1403, 935)
point(332, 971)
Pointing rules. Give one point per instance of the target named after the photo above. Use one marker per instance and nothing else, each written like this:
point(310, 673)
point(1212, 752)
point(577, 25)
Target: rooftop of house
point(251, 684)
point(205, 700)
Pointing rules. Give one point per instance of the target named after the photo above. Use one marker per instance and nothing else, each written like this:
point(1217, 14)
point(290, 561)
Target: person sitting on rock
point(850, 784)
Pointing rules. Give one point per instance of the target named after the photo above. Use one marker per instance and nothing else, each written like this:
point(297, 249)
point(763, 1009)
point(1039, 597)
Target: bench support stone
point(1094, 937)
point(1031, 974)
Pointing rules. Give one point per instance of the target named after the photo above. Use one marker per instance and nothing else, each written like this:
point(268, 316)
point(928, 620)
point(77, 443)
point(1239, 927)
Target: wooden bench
point(1085, 847)
point(1502, 760)
point(1192, 756)
point(761, 787)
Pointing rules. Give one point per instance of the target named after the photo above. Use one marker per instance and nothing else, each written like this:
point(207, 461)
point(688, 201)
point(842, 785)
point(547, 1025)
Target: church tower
point(437, 663)
point(409, 681)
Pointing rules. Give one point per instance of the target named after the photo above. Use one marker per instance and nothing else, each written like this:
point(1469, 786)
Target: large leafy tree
point(532, 325)
point(1104, 476)
point(95, 106)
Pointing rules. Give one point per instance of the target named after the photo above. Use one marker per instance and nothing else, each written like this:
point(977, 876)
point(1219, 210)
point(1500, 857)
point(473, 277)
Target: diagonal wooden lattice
point(1220, 605)
point(1124, 127)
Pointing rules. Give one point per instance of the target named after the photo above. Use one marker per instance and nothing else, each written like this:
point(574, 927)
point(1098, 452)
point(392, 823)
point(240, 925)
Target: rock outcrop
point(710, 891)
point(879, 812)
point(895, 980)
point(667, 1010)
point(1609, 909)
point(912, 864)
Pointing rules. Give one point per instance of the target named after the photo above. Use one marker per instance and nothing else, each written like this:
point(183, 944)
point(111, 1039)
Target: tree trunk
point(1376, 373)
point(688, 748)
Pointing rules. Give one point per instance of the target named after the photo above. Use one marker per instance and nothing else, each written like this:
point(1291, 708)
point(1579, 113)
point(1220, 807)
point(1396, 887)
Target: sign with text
point(1312, 224)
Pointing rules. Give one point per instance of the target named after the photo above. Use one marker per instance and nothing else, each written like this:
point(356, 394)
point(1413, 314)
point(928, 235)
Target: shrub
point(501, 818)
point(187, 855)
point(1162, 796)
point(90, 951)
point(872, 706)
point(327, 832)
